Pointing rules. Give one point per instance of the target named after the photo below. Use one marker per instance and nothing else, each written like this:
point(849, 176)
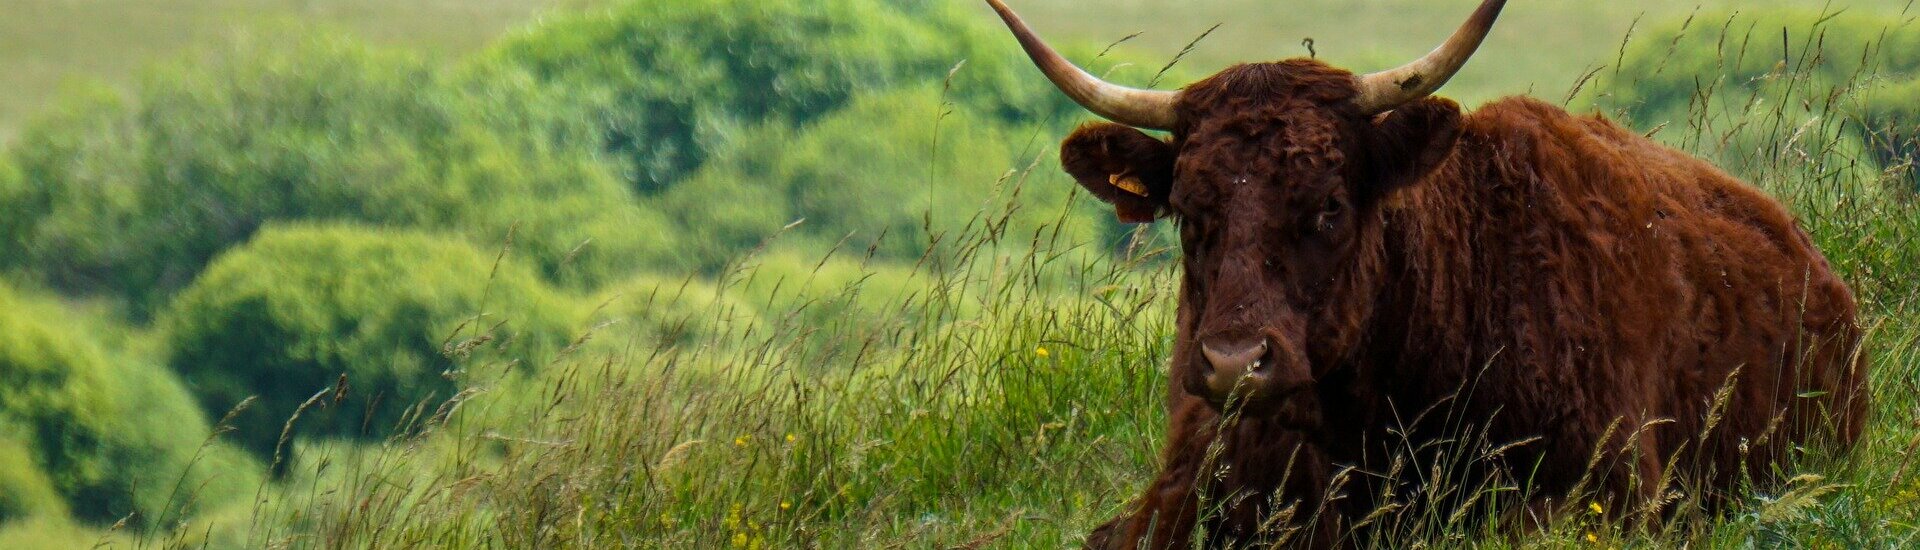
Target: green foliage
point(133, 195)
point(13, 193)
point(56, 532)
point(25, 491)
point(1702, 77)
point(865, 393)
point(674, 81)
point(299, 307)
point(880, 177)
point(112, 434)
point(685, 311)
point(1740, 54)
point(839, 295)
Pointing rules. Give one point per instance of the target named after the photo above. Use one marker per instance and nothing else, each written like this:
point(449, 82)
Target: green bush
point(875, 174)
point(865, 393)
point(811, 291)
point(57, 532)
point(113, 435)
point(1700, 78)
point(681, 311)
point(13, 196)
point(131, 195)
point(25, 490)
point(1663, 70)
point(673, 81)
point(399, 314)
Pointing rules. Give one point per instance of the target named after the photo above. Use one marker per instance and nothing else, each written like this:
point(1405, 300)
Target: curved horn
point(1130, 106)
point(1388, 90)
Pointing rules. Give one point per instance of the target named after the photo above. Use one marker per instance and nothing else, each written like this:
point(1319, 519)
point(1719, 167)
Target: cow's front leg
point(1165, 517)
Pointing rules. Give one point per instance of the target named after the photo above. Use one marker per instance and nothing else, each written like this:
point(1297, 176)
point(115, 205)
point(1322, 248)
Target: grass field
point(1540, 48)
point(44, 44)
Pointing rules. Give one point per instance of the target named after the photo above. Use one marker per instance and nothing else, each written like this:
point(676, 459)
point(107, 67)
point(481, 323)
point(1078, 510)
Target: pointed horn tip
point(1148, 109)
point(1387, 90)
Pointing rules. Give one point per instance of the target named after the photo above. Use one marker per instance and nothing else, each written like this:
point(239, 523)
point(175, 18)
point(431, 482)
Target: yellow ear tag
point(1128, 183)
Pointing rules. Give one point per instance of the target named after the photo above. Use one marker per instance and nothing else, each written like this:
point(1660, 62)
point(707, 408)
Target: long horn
point(1388, 90)
point(1130, 106)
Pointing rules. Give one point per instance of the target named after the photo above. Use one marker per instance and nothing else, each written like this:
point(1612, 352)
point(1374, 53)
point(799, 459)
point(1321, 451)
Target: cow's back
point(1585, 284)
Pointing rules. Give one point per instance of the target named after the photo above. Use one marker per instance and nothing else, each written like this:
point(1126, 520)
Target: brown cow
point(1369, 270)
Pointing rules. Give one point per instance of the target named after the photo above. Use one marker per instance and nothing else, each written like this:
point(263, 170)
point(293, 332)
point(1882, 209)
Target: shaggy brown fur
point(1519, 273)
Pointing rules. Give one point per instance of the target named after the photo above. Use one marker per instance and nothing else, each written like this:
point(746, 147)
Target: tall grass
point(1015, 397)
point(1012, 397)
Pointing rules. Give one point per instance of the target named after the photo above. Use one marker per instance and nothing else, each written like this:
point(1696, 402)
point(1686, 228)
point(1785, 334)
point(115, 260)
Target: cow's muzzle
point(1249, 373)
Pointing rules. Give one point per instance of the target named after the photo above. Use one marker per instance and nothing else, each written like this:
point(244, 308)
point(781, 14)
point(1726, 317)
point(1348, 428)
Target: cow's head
point(1276, 174)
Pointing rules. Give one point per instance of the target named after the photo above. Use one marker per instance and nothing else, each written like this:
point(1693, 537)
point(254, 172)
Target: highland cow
point(1620, 319)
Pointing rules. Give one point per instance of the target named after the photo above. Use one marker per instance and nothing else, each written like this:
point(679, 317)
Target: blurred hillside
point(1542, 47)
point(45, 44)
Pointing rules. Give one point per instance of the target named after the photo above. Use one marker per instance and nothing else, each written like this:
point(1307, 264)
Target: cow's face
point(1276, 173)
point(1278, 200)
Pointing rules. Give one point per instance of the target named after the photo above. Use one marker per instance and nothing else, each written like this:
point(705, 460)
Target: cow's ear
point(1410, 142)
point(1123, 166)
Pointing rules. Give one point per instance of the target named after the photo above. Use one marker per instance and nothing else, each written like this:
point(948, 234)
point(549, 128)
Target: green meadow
point(48, 44)
point(52, 43)
point(752, 274)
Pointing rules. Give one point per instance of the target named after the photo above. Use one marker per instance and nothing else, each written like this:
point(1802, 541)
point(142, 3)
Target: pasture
point(744, 274)
point(45, 44)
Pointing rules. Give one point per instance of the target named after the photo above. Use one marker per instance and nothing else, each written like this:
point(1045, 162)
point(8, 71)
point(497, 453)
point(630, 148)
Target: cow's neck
point(1417, 339)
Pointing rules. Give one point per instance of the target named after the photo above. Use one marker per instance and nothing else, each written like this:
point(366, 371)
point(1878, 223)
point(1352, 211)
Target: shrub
point(823, 293)
point(13, 196)
point(299, 307)
point(113, 435)
point(25, 490)
point(876, 174)
point(683, 311)
point(56, 532)
point(131, 195)
point(865, 394)
point(673, 81)
point(1700, 78)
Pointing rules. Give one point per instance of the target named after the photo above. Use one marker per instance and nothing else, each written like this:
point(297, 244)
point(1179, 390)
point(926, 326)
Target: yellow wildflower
point(1593, 539)
point(739, 540)
point(1042, 352)
point(1595, 506)
point(740, 441)
point(790, 438)
point(733, 518)
point(784, 505)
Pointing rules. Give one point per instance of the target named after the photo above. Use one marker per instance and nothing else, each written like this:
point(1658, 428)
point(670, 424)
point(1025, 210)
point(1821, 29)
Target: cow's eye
point(1329, 215)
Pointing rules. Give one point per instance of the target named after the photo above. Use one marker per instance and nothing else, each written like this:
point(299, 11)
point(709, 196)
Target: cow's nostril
point(1236, 358)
